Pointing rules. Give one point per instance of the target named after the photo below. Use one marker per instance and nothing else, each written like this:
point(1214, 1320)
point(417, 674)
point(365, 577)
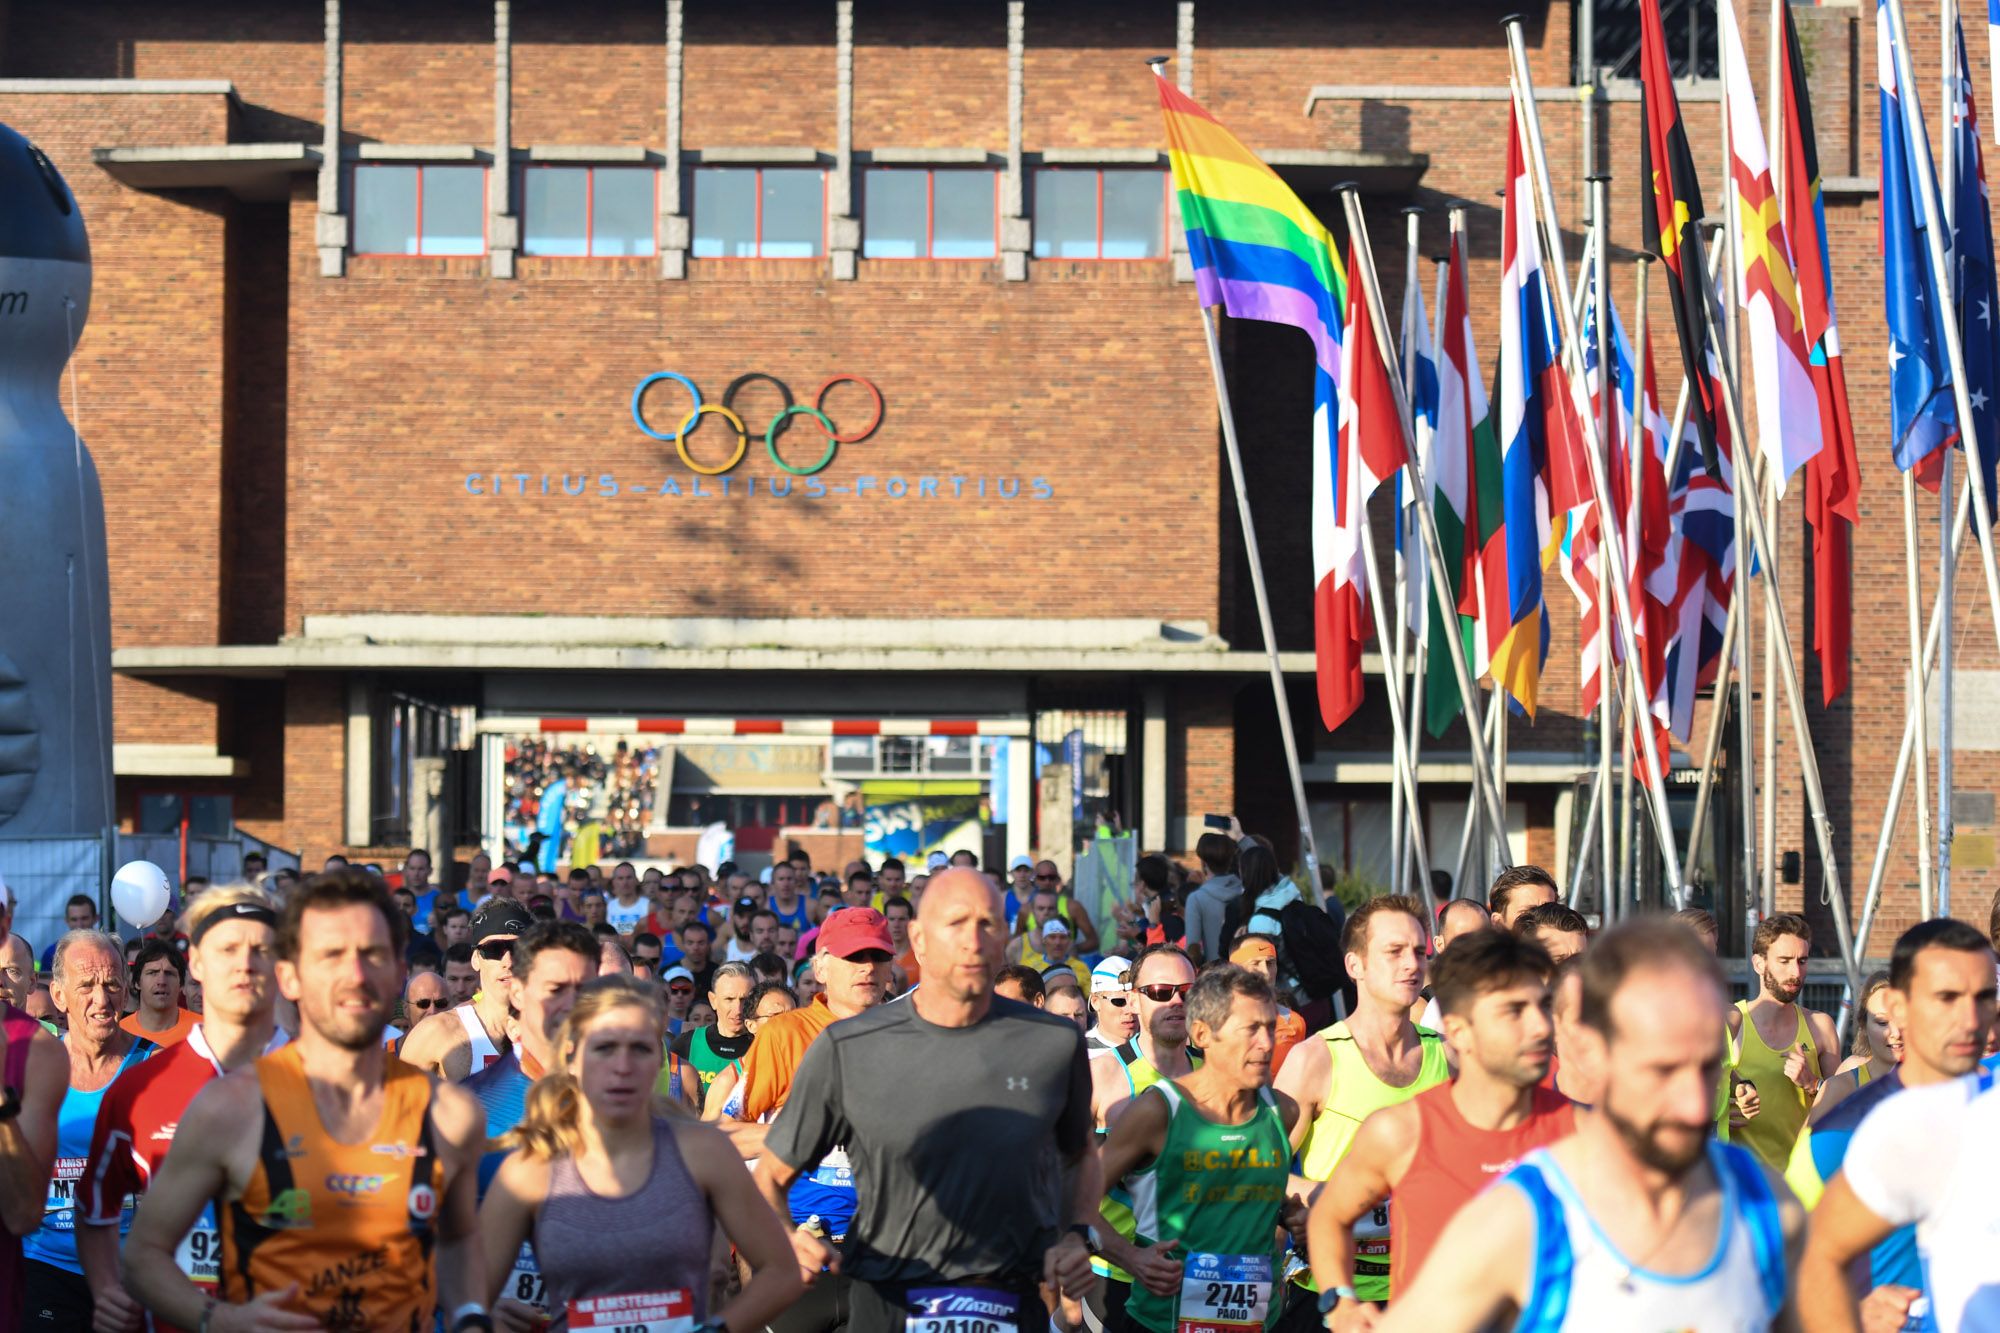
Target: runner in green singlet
point(1117, 1077)
point(1784, 1049)
point(714, 1048)
point(1376, 1058)
point(1209, 1158)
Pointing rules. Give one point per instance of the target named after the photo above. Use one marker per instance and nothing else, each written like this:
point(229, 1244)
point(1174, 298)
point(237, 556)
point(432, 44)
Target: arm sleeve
point(1074, 1125)
point(1893, 1163)
point(813, 1121)
point(108, 1173)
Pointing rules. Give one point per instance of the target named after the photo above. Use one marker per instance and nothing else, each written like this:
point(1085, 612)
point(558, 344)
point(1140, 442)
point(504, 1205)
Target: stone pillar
point(1021, 796)
point(1153, 769)
point(330, 226)
point(1016, 237)
point(504, 228)
point(676, 233)
point(843, 228)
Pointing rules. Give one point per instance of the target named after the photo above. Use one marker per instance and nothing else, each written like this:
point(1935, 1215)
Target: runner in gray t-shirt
point(962, 1115)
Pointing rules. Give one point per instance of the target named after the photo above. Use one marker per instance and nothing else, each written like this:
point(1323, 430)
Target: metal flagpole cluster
point(1594, 455)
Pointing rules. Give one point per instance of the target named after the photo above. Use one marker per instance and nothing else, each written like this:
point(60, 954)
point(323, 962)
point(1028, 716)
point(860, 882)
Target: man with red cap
point(852, 963)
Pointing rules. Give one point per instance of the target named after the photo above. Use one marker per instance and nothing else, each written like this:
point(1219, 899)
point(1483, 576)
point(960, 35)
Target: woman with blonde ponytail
point(620, 1193)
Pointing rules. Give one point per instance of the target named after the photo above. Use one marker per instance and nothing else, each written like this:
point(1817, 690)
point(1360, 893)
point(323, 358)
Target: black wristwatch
point(10, 1104)
point(1088, 1234)
point(1332, 1297)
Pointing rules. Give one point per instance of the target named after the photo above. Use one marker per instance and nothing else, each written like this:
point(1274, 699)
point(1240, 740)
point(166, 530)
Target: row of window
point(763, 212)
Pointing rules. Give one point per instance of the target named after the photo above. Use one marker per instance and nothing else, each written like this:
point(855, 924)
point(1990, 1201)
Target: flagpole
point(1399, 845)
point(1608, 531)
point(1774, 612)
point(1961, 396)
point(1711, 749)
point(1915, 685)
point(1482, 771)
point(1594, 457)
point(1278, 696)
point(1916, 725)
point(1640, 713)
point(1969, 436)
point(1421, 649)
point(1468, 832)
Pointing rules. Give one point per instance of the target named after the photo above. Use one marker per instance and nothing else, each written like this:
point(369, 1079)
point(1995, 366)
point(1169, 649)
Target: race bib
point(525, 1283)
point(963, 1310)
point(638, 1312)
point(60, 1212)
point(1371, 1242)
point(1225, 1293)
point(199, 1255)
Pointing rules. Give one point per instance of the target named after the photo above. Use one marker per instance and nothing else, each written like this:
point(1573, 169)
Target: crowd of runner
point(950, 1102)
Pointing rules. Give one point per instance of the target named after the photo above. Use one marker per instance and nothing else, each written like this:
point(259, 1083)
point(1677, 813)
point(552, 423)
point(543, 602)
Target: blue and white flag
point(1973, 273)
point(1922, 419)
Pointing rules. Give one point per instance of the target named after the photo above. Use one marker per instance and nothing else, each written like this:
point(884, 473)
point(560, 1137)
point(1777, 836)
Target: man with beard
point(1638, 1220)
point(1375, 1058)
point(1161, 978)
point(464, 1040)
point(88, 984)
point(344, 1179)
point(232, 933)
point(1444, 1146)
point(1784, 1050)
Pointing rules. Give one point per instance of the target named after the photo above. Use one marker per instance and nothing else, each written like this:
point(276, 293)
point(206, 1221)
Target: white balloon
point(140, 893)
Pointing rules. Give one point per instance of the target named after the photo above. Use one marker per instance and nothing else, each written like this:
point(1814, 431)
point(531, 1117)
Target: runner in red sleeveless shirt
point(1439, 1149)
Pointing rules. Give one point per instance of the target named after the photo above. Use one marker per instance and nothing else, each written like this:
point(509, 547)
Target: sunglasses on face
point(680, 988)
point(1117, 1001)
point(495, 951)
point(1049, 879)
point(1160, 994)
point(423, 1004)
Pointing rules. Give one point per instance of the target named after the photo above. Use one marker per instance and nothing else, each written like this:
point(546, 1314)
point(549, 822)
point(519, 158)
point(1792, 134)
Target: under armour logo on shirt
point(1017, 1085)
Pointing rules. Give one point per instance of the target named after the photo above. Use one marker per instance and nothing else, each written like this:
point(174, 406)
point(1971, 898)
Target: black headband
point(233, 912)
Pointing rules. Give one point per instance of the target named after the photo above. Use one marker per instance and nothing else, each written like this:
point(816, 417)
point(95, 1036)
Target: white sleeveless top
point(483, 1051)
point(1581, 1281)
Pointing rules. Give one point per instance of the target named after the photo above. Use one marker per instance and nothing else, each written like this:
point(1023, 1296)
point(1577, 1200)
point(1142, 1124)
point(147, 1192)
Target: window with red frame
point(921, 213)
point(427, 210)
point(588, 212)
point(1100, 213)
point(759, 212)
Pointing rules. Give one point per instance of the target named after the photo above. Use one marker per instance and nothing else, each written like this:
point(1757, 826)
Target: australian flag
point(1973, 274)
point(1921, 412)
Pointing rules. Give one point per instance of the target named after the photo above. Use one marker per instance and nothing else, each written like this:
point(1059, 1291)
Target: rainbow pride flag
point(1259, 253)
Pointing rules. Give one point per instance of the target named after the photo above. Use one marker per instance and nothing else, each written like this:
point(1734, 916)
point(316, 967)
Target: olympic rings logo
point(678, 437)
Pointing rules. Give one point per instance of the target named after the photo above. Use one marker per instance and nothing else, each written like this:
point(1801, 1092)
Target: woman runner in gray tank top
point(620, 1201)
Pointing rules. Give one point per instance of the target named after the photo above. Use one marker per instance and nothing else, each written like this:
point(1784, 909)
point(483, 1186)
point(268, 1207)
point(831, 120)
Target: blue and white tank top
point(54, 1242)
point(1581, 1281)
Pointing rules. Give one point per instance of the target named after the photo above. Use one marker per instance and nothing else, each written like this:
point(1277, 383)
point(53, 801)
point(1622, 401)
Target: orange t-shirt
point(1291, 1031)
point(172, 1036)
point(911, 972)
point(774, 1057)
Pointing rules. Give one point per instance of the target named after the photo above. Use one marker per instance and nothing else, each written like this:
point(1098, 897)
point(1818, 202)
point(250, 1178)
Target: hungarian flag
point(1833, 478)
point(1368, 451)
point(1464, 430)
point(1671, 213)
point(1767, 285)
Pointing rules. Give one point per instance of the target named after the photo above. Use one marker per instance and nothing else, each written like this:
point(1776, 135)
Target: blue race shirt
point(502, 1088)
point(1895, 1259)
point(54, 1243)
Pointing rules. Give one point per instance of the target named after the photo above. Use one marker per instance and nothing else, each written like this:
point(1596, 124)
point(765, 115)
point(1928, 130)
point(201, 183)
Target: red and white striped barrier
point(759, 726)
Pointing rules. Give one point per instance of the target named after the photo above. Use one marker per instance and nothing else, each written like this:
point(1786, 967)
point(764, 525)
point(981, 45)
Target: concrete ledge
point(415, 152)
point(1099, 156)
point(789, 633)
point(585, 153)
point(98, 87)
point(782, 154)
point(1543, 769)
point(247, 170)
point(174, 761)
point(885, 157)
point(1613, 90)
point(1849, 187)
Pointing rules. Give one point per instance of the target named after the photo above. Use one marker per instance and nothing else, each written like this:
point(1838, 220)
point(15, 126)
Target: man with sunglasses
point(1112, 1003)
point(1376, 1057)
point(1161, 979)
point(464, 1040)
point(679, 985)
point(424, 995)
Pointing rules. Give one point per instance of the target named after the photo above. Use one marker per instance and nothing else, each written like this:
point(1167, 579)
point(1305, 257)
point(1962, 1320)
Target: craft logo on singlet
point(399, 1150)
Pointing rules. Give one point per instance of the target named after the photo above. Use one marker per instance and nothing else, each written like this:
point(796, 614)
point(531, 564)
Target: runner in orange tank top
point(344, 1179)
point(1436, 1151)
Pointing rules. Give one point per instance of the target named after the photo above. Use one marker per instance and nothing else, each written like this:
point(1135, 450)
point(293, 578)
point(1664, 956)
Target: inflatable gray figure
point(55, 595)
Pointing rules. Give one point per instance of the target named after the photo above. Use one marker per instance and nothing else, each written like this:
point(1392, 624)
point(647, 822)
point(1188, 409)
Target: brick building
point(383, 294)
